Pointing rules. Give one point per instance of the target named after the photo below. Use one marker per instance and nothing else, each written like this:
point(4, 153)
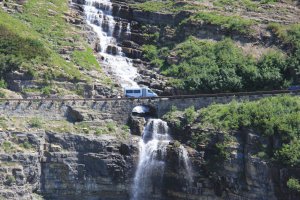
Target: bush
point(111, 126)
point(150, 52)
point(99, 131)
point(46, 90)
point(35, 123)
point(190, 114)
point(260, 116)
point(3, 84)
point(289, 154)
point(204, 66)
point(293, 184)
point(26, 145)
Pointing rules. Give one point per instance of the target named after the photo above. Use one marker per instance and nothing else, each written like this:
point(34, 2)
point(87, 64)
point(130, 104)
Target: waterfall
point(148, 177)
point(99, 17)
point(187, 166)
point(151, 166)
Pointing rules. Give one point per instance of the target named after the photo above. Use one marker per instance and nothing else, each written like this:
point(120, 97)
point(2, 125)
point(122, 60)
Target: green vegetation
point(167, 6)
point(33, 39)
point(205, 66)
point(154, 55)
point(171, 6)
point(290, 153)
point(290, 36)
point(231, 23)
point(261, 116)
point(7, 147)
point(293, 184)
point(35, 123)
point(251, 5)
point(190, 114)
point(10, 180)
point(26, 145)
point(86, 59)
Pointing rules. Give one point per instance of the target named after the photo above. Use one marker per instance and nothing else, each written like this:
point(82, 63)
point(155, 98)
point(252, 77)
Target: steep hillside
point(44, 50)
point(214, 46)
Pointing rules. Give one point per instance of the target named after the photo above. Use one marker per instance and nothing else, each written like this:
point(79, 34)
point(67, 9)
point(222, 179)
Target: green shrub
point(7, 147)
point(98, 132)
point(205, 66)
point(3, 84)
point(190, 114)
point(150, 52)
point(80, 90)
point(35, 123)
point(289, 154)
point(260, 116)
point(125, 128)
point(111, 126)
point(293, 184)
point(10, 180)
point(26, 145)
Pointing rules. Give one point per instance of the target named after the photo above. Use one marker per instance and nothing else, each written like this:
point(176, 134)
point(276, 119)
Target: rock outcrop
point(65, 166)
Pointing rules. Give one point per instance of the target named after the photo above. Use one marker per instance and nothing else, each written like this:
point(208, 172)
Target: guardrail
point(238, 94)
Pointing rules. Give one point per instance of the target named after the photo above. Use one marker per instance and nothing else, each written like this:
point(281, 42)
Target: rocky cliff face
point(68, 166)
point(243, 174)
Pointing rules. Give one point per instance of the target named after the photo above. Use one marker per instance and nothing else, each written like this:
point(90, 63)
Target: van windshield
point(150, 91)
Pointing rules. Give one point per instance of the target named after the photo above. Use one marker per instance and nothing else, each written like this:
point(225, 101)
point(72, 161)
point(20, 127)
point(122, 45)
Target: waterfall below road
point(99, 17)
point(148, 178)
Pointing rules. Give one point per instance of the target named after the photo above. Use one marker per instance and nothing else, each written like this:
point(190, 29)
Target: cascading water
point(148, 177)
point(151, 166)
point(153, 145)
point(187, 166)
point(99, 17)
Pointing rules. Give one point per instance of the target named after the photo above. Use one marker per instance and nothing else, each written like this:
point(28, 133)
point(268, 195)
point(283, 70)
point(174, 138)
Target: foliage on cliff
point(202, 58)
point(205, 66)
point(274, 117)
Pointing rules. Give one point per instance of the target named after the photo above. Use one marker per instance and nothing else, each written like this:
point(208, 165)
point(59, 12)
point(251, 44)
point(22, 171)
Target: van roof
point(136, 88)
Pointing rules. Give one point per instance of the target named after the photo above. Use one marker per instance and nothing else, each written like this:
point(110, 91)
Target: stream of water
point(99, 17)
point(152, 160)
point(156, 138)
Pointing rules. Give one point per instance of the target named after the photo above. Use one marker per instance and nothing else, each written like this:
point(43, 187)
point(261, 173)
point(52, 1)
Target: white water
point(150, 170)
point(99, 17)
point(187, 165)
point(151, 166)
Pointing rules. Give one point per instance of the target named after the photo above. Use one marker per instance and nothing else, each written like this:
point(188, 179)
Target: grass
point(37, 35)
point(158, 6)
point(7, 147)
point(85, 59)
point(232, 22)
point(286, 33)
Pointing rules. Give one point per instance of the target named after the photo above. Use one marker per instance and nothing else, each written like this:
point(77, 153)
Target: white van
point(139, 92)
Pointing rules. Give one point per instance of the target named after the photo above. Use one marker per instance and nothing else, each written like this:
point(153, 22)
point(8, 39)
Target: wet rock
point(137, 125)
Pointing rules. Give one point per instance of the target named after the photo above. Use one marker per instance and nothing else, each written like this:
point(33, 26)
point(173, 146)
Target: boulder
point(137, 125)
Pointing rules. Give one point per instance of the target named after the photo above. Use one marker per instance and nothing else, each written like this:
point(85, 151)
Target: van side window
point(129, 91)
point(137, 91)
